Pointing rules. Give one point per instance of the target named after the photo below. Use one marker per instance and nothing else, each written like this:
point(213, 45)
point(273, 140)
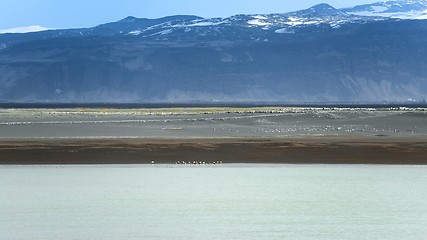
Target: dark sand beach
point(230, 135)
point(296, 150)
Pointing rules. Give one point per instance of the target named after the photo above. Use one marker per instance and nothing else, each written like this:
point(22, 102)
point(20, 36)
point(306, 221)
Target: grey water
point(213, 202)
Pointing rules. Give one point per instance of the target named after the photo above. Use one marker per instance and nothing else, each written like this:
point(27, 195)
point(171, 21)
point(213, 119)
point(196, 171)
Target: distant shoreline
point(229, 134)
point(405, 150)
point(208, 105)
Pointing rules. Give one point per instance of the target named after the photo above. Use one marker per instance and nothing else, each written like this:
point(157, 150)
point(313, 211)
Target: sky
point(87, 13)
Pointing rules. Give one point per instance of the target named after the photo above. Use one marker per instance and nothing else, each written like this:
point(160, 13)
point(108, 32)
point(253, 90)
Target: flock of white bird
point(195, 163)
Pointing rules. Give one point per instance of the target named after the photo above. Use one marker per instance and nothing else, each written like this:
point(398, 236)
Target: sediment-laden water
point(213, 202)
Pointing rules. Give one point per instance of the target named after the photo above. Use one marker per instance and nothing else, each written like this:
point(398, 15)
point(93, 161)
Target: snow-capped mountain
point(319, 15)
point(322, 14)
point(402, 9)
point(190, 27)
point(320, 54)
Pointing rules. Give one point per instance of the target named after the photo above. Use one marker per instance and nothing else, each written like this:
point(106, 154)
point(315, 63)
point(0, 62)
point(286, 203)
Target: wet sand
point(290, 150)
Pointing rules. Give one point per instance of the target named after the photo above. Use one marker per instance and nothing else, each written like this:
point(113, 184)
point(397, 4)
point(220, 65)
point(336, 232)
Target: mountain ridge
point(370, 10)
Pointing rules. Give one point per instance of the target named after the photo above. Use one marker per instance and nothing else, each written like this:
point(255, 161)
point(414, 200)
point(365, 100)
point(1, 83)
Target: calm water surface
point(220, 202)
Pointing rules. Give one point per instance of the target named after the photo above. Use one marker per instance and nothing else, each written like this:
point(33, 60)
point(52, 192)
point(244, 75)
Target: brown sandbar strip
point(296, 150)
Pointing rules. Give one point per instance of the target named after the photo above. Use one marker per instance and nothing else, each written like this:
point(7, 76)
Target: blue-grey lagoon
point(230, 201)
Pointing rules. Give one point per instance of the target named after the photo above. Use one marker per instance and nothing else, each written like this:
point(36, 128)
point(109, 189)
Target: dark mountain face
point(316, 55)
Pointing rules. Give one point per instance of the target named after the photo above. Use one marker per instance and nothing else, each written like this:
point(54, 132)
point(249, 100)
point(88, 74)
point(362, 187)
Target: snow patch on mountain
point(135, 33)
point(400, 15)
point(204, 24)
point(201, 23)
point(285, 30)
point(28, 29)
point(293, 21)
point(164, 32)
point(258, 22)
point(260, 17)
point(401, 9)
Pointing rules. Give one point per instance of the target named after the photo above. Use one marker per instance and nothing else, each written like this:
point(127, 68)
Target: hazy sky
point(87, 13)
